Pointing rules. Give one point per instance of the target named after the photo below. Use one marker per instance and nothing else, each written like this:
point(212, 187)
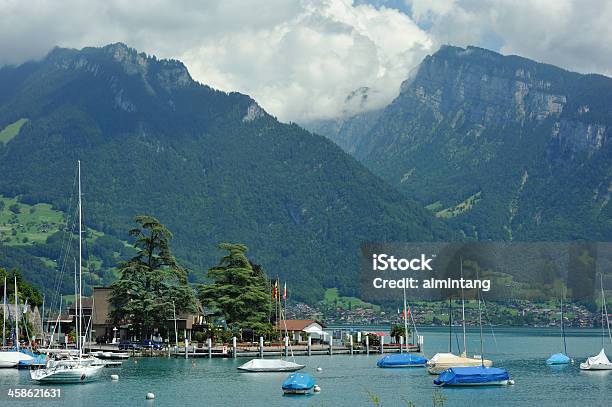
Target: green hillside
point(35, 235)
point(501, 147)
point(212, 166)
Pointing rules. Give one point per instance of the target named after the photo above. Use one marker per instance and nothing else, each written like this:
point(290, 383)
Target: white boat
point(65, 367)
point(601, 361)
point(443, 361)
point(67, 373)
point(12, 357)
point(111, 355)
point(270, 365)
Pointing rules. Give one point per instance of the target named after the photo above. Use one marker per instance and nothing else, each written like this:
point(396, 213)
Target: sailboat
point(443, 361)
point(67, 368)
point(600, 361)
point(560, 358)
point(12, 357)
point(262, 365)
point(474, 375)
point(407, 359)
point(298, 383)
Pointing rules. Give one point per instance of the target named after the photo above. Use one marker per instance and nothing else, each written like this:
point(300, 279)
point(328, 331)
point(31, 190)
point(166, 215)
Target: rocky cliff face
point(502, 146)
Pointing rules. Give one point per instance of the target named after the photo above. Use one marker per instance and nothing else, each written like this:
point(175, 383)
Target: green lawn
point(10, 131)
point(332, 298)
point(22, 224)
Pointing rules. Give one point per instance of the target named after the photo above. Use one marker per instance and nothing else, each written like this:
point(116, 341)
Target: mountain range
point(501, 147)
point(213, 166)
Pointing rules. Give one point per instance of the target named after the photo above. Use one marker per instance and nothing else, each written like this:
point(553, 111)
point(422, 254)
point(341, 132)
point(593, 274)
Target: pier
point(258, 350)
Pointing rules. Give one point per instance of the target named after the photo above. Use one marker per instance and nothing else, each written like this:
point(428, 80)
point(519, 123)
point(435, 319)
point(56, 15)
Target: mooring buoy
point(317, 388)
point(150, 396)
point(114, 377)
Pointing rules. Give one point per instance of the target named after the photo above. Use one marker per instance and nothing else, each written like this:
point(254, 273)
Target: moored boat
point(558, 359)
point(270, 365)
point(599, 362)
point(67, 373)
point(473, 376)
point(400, 360)
point(443, 361)
point(65, 367)
point(298, 383)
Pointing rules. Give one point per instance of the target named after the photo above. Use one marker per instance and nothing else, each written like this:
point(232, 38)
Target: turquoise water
point(345, 380)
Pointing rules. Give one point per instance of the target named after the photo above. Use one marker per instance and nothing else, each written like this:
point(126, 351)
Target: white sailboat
point(65, 367)
point(272, 365)
point(443, 361)
point(600, 361)
point(12, 357)
point(560, 358)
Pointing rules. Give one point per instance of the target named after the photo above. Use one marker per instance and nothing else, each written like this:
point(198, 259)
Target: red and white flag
point(285, 291)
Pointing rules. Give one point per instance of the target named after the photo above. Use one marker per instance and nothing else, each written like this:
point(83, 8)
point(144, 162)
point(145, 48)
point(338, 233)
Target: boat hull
point(585, 366)
point(10, 359)
point(270, 365)
point(67, 374)
point(298, 383)
point(495, 383)
point(473, 376)
point(436, 369)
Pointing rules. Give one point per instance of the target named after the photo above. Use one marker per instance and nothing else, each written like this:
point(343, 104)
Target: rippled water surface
point(347, 380)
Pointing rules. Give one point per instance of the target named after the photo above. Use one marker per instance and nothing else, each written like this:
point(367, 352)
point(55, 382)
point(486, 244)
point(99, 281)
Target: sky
point(300, 59)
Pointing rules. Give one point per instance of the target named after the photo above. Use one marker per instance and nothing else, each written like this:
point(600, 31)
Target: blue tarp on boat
point(401, 360)
point(558, 359)
point(36, 361)
point(298, 382)
point(457, 376)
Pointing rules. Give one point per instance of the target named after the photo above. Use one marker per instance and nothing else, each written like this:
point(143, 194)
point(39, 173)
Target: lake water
point(346, 380)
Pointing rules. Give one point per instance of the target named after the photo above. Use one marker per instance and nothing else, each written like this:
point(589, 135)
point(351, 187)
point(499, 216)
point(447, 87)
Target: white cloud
point(301, 58)
point(572, 34)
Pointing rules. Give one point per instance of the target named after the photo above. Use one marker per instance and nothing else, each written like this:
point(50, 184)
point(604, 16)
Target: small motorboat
point(474, 376)
point(399, 360)
point(558, 359)
point(298, 383)
point(599, 362)
point(270, 365)
point(111, 355)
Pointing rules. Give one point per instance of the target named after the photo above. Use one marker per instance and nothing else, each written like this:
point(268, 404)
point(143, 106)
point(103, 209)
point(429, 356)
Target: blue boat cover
point(471, 375)
point(558, 359)
point(299, 381)
point(401, 359)
point(36, 360)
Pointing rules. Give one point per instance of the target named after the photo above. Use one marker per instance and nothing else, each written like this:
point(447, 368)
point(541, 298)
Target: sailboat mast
point(605, 309)
point(16, 317)
point(75, 305)
point(603, 330)
point(463, 309)
point(480, 323)
point(80, 259)
point(562, 328)
point(4, 315)
point(450, 325)
point(405, 322)
point(42, 321)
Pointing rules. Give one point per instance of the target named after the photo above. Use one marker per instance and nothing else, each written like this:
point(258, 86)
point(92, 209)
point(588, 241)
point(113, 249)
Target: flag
point(285, 291)
point(275, 291)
